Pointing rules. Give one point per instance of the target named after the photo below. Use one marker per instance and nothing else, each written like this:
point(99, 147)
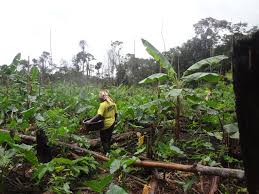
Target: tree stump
point(246, 88)
point(43, 149)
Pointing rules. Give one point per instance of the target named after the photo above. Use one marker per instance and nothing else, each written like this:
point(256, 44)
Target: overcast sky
point(25, 24)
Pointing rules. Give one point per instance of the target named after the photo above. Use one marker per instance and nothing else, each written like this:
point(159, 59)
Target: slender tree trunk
point(178, 106)
point(84, 69)
point(87, 70)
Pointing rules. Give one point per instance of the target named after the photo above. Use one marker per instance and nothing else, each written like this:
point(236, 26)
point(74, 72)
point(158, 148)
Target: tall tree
point(131, 69)
point(82, 44)
point(114, 56)
point(44, 64)
point(209, 29)
point(83, 58)
point(98, 67)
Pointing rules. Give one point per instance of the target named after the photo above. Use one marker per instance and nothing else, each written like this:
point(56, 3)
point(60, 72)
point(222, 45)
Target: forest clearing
point(177, 130)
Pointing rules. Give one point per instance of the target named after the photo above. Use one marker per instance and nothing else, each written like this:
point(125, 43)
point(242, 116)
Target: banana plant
point(8, 73)
point(180, 84)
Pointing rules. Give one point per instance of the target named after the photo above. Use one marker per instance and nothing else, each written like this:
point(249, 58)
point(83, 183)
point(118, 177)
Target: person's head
point(103, 95)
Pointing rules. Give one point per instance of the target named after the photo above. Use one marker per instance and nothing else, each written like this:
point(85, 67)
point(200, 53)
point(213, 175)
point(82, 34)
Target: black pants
point(106, 136)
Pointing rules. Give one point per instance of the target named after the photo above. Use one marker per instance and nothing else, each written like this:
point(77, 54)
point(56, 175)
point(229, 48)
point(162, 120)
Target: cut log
point(196, 168)
point(93, 142)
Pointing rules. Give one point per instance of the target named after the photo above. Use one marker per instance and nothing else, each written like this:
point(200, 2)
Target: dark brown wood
point(43, 149)
point(246, 80)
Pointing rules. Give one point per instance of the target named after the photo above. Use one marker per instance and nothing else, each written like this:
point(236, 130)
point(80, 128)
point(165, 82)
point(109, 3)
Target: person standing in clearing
point(108, 112)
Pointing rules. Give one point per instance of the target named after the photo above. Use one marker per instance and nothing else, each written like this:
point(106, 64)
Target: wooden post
point(246, 87)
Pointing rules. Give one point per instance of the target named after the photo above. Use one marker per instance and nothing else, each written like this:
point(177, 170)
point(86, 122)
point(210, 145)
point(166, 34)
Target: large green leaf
point(129, 161)
point(28, 113)
point(217, 135)
point(40, 172)
point(209, 77)
point(99, 184)
point(16, 59)
point(66, 188)
point(5, 137)
point(163, 61)
point(34, 73)
point(194, 98)
point(62, 161)
point(174, 92)
point(211, 61)
point(235, 136)
point(232, 130)
point(205, 62)
point(39, 117)
point(6, 157)
point(115, 165)
point(115, 189)
point(153, 78)
point(174, 148)
point(27, 152)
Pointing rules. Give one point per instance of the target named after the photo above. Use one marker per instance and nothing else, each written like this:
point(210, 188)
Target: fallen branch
point(93, 142)
point(223, 172)
point(196, 168)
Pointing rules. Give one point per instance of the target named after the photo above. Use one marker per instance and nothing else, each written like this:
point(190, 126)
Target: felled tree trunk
point(246, 87)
